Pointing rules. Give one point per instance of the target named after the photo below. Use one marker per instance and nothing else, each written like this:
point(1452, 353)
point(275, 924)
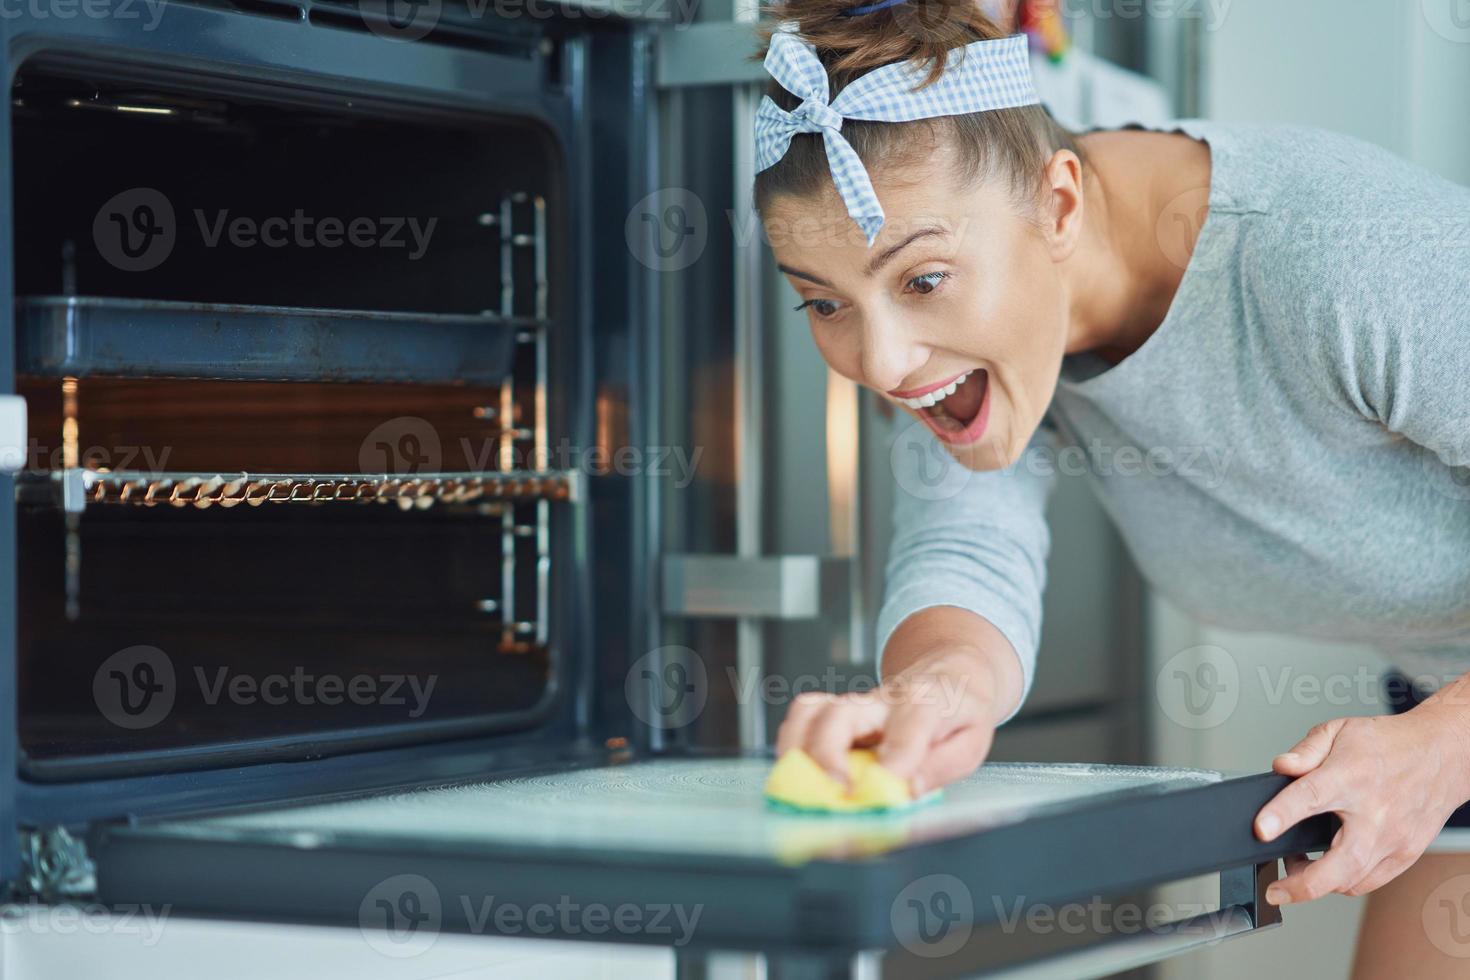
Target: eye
point(927, 283)
point(822, 307)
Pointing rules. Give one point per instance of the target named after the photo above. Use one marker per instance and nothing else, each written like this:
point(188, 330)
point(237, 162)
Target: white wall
point(1396, 72)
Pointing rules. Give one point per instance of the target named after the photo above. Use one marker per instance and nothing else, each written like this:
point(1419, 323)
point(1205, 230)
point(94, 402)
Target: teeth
point(935, 397)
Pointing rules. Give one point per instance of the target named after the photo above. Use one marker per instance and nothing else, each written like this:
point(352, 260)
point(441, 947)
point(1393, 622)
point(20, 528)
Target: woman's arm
point(950, 678)
point(960, 620)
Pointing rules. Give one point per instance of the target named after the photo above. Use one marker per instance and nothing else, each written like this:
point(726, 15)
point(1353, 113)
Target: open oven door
point(684, 852)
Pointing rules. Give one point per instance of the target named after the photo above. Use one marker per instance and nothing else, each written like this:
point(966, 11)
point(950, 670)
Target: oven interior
point(250, 491)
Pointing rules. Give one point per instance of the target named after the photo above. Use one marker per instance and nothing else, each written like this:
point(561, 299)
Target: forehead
point(817, 226)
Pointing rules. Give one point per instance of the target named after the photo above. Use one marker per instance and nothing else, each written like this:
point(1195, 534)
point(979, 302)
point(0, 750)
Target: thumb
point(953, 758)
point(1310, 752)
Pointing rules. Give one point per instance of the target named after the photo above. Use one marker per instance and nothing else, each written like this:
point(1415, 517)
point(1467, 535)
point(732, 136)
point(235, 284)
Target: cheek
point(840, 353)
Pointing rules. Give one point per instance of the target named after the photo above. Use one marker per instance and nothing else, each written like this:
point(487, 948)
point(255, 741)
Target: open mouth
point(957, 413)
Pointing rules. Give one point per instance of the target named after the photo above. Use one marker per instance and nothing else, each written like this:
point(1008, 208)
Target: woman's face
point(961, 292)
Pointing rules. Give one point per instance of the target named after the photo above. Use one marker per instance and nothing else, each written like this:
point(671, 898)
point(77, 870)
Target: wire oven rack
point(77, 337)
point(75, 489)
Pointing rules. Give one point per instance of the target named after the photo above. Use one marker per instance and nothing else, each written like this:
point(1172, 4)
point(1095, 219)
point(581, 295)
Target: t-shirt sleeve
point(1410, 361)
point(975, 540)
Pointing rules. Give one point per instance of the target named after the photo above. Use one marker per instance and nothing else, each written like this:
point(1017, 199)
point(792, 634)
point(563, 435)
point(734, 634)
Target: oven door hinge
point(54, 866)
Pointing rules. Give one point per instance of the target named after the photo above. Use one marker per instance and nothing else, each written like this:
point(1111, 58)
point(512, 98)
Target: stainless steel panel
point(780, 587)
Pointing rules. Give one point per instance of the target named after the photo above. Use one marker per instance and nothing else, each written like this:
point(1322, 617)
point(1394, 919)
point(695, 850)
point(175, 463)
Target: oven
point(343, 575)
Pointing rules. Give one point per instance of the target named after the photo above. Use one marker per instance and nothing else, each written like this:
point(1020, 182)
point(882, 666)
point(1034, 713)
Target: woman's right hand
point(931, 723)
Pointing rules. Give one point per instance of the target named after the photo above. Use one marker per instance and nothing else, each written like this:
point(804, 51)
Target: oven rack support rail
point(76, 489)
point(85, 336)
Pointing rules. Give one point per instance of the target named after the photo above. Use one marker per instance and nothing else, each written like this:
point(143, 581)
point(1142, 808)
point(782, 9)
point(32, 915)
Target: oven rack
point(76, 489)
point(82, 336)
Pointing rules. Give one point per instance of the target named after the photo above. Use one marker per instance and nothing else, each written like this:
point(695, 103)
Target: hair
point(1012, 145)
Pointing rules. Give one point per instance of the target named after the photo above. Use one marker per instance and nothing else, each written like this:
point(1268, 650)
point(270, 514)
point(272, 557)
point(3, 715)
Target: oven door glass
point(693, 835)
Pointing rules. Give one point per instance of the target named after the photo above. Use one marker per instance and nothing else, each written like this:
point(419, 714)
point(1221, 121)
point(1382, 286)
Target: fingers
point(837, 725)
point(799, 717)
point(1295, 863)
point(911, 729)
point(1385, 871)
point(1310, 752)
point(1316, 792)
point(1350, 858)
point(955, 757)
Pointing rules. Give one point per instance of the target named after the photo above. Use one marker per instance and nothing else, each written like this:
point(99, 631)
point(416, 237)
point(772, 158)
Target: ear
point(1062, 213)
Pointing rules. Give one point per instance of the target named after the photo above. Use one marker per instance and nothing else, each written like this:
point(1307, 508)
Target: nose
point(890, 356)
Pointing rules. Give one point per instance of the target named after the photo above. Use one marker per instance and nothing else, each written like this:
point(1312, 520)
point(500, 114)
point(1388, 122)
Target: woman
point(1274, 322)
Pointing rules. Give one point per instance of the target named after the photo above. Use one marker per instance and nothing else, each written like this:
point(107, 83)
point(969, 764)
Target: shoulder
point(1349, 258)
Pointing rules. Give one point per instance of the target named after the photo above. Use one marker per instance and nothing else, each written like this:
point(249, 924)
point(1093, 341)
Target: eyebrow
point(877, 262)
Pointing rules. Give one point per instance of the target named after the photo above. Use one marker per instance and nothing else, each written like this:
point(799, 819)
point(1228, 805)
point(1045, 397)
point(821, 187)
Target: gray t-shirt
point(1289, 451)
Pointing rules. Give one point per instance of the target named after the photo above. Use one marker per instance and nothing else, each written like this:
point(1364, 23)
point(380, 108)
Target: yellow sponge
point(797, 782)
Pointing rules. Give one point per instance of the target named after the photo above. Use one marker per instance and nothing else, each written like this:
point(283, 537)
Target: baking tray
point(695, 832)
point(82, 336)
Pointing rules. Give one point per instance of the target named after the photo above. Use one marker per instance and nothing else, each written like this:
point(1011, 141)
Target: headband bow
point(982, 75)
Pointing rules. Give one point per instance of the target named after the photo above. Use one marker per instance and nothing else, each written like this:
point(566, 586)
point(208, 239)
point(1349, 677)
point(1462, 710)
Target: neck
point(1120, 279)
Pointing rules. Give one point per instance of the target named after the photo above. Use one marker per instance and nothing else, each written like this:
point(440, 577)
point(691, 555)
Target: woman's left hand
point(1392, 780)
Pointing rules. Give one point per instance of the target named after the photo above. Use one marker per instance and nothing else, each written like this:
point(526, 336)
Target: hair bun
point(919, 31)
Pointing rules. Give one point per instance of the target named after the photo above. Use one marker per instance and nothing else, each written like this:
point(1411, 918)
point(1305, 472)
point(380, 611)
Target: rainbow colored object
point(1042, 20)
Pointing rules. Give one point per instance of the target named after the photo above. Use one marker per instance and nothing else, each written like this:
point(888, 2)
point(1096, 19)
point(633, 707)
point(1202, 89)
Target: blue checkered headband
point(982, 75)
